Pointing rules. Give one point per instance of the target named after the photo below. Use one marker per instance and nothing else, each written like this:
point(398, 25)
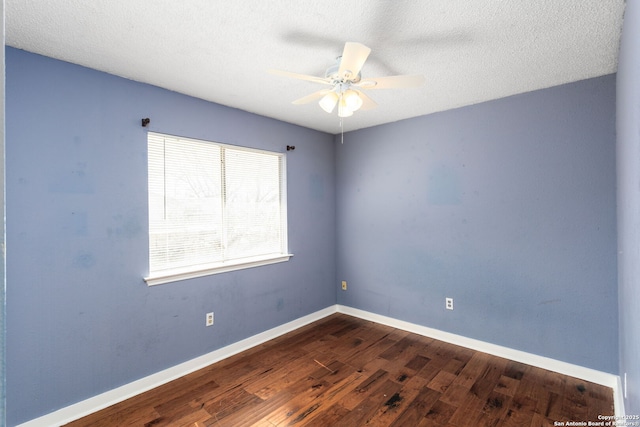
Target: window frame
point(194, 271)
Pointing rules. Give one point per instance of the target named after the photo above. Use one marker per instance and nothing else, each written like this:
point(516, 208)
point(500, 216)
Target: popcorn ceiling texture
point(469, 52)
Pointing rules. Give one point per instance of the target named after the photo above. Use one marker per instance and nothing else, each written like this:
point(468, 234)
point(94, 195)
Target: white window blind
point(213, 207)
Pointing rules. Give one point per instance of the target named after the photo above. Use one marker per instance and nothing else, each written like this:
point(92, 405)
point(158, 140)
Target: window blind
point(211, 204)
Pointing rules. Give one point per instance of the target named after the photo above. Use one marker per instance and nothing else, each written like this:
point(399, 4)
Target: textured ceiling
point(220, 51)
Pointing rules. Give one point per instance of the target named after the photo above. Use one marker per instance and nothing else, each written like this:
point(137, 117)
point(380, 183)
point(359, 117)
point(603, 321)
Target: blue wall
point(507, 206)
point(628, 129)
point(80, 318)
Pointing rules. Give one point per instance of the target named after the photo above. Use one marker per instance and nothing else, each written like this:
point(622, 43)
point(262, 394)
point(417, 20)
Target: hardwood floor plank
point(496, 405)
point(441, 381)
point(361, 358)
point(417, 363)
point(329, 417)
point(361, 391)
point(507, 385)
point(456, 394)
point(417, 409)
point(468, 407)
point(575, 400)
point(332, 396)
point(519, 413)
point(440, 413)
point(296, 409)
point(232, 405)
point(263, 385)
point(186, 398)
point(487, 381)
point(365, 412)
point(344, 371)
point(539, 421)
point(473, 370)
point(179, 420)
point(260, 414)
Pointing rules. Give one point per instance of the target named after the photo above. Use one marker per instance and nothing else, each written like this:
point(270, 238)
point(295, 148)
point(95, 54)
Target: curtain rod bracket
point(145, 122)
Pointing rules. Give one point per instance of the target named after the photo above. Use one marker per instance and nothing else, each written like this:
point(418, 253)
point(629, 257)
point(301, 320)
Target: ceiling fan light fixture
point(329, 101)
point(352, 99)
point(343, 109)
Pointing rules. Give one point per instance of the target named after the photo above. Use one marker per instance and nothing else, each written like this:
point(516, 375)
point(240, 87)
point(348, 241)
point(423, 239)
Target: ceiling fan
point(346, 85)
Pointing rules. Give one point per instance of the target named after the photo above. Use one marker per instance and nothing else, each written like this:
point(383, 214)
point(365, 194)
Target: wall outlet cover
point(448, 303)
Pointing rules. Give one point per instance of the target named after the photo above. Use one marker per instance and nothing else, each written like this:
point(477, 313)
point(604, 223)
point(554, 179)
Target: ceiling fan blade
point(353, 57)
point(391, 82)
point(367, 102)
point(312, 97)
point(314, 79)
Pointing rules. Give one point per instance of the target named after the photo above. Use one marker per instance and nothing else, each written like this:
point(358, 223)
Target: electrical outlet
point(209, 320)
point(344, 285)
point(448, 303)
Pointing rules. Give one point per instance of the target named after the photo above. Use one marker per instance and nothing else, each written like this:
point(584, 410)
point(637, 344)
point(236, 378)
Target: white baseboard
point(618, 399)
point(111, 397)
point(576, 371)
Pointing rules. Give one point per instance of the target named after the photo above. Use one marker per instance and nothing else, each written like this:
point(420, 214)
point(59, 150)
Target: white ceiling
point(220, 51)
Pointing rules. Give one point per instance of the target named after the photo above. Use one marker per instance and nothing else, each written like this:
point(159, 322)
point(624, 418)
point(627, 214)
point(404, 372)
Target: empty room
point(412, 213)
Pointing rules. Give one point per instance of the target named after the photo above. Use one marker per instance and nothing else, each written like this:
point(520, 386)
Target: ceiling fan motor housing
point(335, 77)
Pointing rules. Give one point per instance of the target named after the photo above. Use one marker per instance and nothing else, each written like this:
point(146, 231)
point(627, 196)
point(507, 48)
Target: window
point(213, 208)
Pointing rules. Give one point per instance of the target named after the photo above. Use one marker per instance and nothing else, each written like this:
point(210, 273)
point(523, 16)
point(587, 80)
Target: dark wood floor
point(344, 371)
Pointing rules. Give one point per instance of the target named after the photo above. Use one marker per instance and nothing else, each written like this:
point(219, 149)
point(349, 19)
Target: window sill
point(175, 275)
